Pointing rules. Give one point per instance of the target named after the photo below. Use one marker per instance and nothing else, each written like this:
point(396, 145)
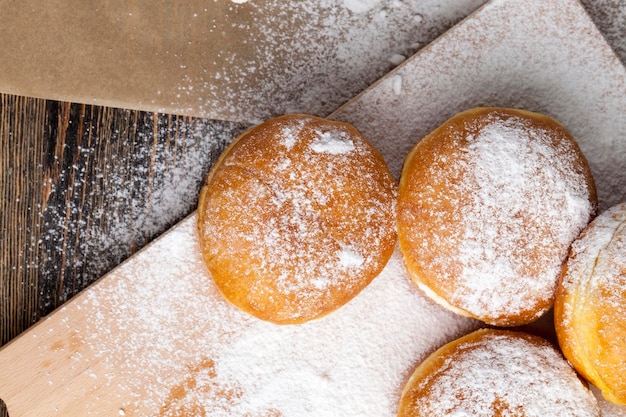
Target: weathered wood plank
point(22, 149)
point(84, 187)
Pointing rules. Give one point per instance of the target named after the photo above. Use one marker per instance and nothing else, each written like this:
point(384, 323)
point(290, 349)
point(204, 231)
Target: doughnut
point(296, 217)
point(496, 372)
point(488, 205)
point(590, 305)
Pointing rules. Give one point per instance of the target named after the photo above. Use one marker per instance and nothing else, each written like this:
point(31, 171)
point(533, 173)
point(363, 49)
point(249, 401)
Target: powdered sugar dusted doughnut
point(296, 218)
point(488, 205)
point(590, 307)
point(496, 373)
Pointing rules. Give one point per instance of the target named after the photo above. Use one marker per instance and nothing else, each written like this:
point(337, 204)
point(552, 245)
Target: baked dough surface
point(296, 218)
point(496, 373)
point(590, 307)
point(488, 205)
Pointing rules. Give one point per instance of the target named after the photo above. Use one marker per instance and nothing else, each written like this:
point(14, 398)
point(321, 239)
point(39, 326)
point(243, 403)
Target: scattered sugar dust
point(311, 56)
point(180, 349)
point(118, 191)
point(98, 213)
point(360, 54)
point(360, 6)
point(575, 78)
point(610, 17)
point(117, 231)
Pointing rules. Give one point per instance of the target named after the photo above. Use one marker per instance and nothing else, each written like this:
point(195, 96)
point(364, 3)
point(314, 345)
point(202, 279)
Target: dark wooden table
point(84, 187)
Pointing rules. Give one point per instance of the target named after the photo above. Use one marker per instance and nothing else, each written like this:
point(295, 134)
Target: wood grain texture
point(84, 187)
point(22, 152)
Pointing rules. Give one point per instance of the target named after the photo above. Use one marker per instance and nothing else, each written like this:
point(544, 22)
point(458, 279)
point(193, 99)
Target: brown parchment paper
point(231, 60)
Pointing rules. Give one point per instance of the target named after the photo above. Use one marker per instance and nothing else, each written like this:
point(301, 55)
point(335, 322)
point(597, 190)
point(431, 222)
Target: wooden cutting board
point(155, 338)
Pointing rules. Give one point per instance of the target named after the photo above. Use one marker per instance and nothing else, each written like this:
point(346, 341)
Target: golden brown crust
point(488, 204)
point(496, 373)
point(590, 306)
point(296, 218)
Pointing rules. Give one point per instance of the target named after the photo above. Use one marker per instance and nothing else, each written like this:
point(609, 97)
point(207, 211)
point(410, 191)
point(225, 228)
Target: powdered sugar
point(307, 56)
point(598, 254)
point(315, 218)
point(592, 302)
point(608, 409)
point(153, 170)
point(350, 257)
point(519, 177)
point(482, 64)
point(397, 325)
point(334, 143)
point(488, 207)
point(610, 17)
point(360, 6)
point(212, 359)
point(499, 372)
